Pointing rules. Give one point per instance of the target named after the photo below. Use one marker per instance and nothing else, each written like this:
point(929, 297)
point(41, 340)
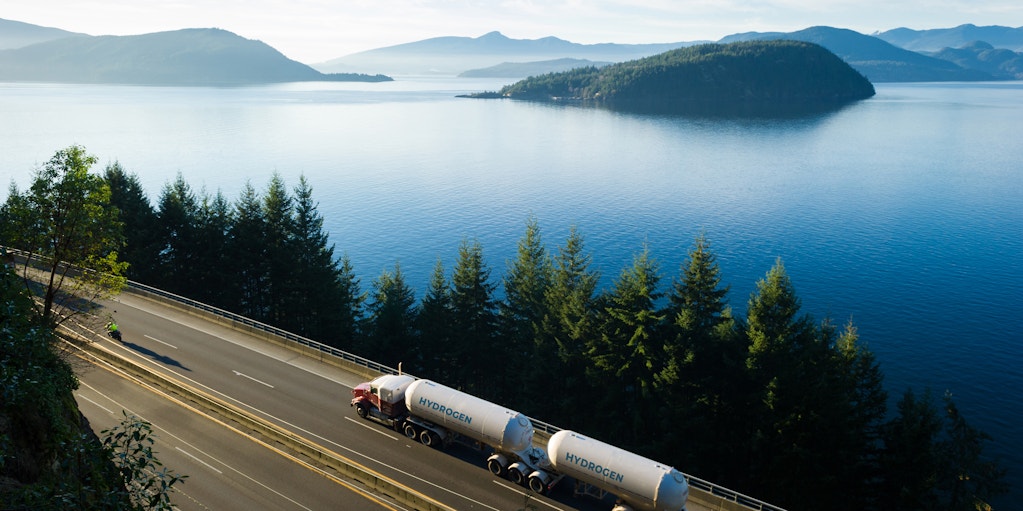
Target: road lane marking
point(161, 342)
point(111, 412)
point(371, 428)
point(253, 379)
point(186, 453)
point(522, 492)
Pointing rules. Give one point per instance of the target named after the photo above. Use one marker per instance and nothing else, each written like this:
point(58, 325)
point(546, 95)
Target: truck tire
point(362, 411)
point(429, 438)
point(537, 485)
point(495, 467)
point(410, 431)
point(517, 476)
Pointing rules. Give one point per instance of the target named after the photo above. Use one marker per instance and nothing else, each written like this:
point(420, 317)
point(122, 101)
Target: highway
point(225, 468)
point(298, 393)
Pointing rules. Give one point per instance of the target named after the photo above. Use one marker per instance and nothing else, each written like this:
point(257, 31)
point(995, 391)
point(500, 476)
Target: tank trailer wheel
point(537, 485)
point(517, 476)
point(429, 438)
point(495, 466)
point(410, 431)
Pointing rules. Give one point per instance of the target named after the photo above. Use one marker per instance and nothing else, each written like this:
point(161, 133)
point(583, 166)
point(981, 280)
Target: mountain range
point(197, 56)
point(218, 57)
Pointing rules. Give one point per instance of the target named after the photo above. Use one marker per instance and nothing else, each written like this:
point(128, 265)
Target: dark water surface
point(903, 212)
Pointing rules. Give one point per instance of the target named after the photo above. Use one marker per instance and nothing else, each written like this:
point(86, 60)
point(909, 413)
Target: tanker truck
point(639, 483)
point(437, 415)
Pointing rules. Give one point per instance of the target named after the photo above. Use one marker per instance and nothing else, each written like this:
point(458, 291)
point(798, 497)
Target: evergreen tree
point(967, 479)
point(176, 210)
point(214, 272)
point(792, 380)
point(855, 460)
point(525, 305)
point(569, 323)
point(348, 309)
point(247, 250)
point(316, 283)
point(628, 351)
point(475, 350)
point(391, 323)
point(142, 238)
point(435, 329)
point(909, 461)
point(704, 375)
point(278, 222)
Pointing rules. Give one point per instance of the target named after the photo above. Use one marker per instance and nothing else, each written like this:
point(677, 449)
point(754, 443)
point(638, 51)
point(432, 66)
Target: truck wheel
point(362, 411)
point(517, 476)
point(536, 484)
point(410, 430)
point(429, 438)
point(494, 465)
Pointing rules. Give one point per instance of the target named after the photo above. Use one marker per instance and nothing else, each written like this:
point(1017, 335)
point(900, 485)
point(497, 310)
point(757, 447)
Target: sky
point(313, 31)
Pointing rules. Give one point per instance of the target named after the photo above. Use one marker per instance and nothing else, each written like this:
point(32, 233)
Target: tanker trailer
point(439, 414)
point(639, 483)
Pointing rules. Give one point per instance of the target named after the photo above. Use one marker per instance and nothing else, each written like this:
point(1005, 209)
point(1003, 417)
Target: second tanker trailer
point(435, 414)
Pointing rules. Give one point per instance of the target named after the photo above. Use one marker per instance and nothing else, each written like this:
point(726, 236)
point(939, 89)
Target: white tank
point(642, 483)
point(503, 429)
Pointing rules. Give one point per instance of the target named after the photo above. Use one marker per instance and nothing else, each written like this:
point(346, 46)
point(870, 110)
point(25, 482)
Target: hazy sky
point(313, 31)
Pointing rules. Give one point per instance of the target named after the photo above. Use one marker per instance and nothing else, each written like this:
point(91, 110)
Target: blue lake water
point(903, 212)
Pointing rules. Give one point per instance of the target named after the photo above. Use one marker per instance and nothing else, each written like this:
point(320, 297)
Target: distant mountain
point(525, 69)
point(957, 37)
point(878, 60)
point(998, 62)
point(182, 57)
point(15, 34)
point(711, 76)
point(454, 55)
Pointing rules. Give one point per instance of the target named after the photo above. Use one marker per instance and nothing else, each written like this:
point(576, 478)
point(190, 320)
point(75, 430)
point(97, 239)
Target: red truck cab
point(382, 398)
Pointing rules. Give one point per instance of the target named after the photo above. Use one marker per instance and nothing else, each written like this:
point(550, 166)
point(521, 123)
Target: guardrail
point(710, 488)
point(695, 482)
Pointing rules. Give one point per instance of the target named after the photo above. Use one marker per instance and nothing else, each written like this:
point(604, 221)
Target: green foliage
point(774, 404)
point(147, 483)
point(66, 218)
point(754, 71)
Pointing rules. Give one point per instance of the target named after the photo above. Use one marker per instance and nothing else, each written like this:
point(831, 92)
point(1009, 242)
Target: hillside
point(15, 34)
point(180, 57)
point(998, 62)
point(878, 60)
point(454, 55)
point(524, 69)
point(956, 37)
point(765, 72)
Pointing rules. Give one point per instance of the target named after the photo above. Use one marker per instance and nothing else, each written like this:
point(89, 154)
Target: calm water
point(903, 212)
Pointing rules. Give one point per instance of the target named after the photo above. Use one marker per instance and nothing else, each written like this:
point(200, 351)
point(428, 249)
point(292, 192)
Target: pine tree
point(525, 305)
point(628, 351)
point(435, 329)
point(176, 210)
point(315, 285)
point(247, 250)
point(475, 350)
point(391, 319)
point(214, 272)
point(280, 252)
point(703, 376)
point(348, 308)
point(141, 228)
point(569, 323)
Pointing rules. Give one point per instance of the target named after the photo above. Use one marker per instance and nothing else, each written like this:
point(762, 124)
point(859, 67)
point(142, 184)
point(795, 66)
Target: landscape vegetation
point(773, 402)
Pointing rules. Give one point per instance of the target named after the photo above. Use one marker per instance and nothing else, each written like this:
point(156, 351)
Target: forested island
point(773, 403)
point(754, 72)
